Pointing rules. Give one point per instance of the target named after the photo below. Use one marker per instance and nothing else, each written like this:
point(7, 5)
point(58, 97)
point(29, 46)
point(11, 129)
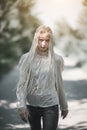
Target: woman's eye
point(41, 40)
point(47, 40)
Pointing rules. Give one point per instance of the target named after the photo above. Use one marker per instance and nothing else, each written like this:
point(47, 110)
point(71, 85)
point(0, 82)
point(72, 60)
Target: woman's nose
point(43, 43)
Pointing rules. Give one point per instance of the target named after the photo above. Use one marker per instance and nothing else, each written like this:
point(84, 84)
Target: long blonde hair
point(31, 54)
point(25, 64)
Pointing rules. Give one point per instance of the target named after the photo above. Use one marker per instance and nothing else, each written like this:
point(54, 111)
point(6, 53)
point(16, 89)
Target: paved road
point(75, 82)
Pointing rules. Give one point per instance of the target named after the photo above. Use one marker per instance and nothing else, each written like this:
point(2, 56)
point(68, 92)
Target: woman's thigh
point(34, 118)
point(50, 118)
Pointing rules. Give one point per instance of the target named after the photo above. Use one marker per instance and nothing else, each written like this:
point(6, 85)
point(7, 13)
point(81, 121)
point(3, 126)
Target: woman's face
point(43, 42)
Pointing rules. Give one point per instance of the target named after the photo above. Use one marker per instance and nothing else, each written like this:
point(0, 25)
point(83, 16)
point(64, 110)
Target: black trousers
point(49, 116)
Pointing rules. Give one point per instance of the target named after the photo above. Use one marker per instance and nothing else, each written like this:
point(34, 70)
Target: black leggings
point(49, 115)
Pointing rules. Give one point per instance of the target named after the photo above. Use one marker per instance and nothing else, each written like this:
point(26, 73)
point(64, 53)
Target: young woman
point(40, 90)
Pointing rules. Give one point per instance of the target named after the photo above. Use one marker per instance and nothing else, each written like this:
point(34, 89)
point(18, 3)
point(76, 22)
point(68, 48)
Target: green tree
point(73, 42)
point(82, 27)
point(67, 38)
point(17, 27)
point(82, 20)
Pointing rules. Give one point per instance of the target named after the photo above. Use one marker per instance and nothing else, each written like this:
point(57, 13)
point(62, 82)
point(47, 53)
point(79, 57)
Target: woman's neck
point(41, 53)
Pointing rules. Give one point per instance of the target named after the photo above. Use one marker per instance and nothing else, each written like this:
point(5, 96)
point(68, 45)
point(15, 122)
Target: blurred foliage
point(82, 27)
point(82, 22)
point(68, 38)
point(84, 2)
point(17, 27)
point(73, 42)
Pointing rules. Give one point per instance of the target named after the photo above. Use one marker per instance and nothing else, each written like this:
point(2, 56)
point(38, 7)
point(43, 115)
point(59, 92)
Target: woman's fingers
point(64, 113)
point(24, 115)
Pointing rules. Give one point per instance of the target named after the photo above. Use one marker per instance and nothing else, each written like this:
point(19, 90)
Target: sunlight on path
point(77, 117)
point(73, 73)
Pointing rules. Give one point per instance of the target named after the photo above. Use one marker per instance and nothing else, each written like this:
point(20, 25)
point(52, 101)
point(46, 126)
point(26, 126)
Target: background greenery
point(17, 27)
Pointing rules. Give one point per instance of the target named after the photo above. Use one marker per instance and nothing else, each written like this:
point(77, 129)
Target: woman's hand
point(64, 113)
point(23, 112)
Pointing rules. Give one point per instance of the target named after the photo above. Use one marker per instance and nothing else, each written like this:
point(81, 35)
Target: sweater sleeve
point(20, 91)
point(60, 85)
point(21, 98)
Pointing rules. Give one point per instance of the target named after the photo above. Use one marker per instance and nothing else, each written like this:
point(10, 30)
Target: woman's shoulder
point(60, 61)
point(22, 58)
point(24, 55)
point(58, 57)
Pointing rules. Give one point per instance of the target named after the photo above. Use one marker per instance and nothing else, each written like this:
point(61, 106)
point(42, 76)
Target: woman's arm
point(60, 87)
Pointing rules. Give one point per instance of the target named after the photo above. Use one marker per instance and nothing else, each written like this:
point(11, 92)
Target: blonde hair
point(44, 28)
point(26, 63)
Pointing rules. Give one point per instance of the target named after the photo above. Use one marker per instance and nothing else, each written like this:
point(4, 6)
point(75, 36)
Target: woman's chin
point(44, 50)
